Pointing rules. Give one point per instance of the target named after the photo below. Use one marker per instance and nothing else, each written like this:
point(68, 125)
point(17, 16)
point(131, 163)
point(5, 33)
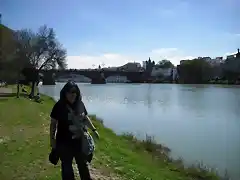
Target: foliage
point(8, 67)
point(231, 70)
point(42, 50)
point(39, 50)
point(7, 42)
point(195, 71)
point(165, 64)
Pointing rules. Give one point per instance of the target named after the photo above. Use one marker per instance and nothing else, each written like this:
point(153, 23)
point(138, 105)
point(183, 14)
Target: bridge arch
point(117, 79)
point(73, 77)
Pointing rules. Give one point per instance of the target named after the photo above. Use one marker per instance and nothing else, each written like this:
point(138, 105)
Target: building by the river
point(131, 66)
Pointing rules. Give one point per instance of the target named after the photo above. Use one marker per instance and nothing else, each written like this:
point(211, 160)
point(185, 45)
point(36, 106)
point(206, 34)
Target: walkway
point(6, 92)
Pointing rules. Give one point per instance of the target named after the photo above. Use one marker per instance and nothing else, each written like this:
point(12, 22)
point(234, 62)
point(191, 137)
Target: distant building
point(174, 74)
point(231, 56)
point(166, 72)
point(238, 54)
point(232, 63)
point(219, 58)
point(131, 66)
point(205, 58)
point(214, 62)
point(149, 64)
point(144, 64)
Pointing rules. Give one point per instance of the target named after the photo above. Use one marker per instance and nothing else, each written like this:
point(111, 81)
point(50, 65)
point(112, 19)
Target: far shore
point(153, 82)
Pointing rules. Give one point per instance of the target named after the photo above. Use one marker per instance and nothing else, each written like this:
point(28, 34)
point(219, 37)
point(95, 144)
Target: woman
point(67, 146)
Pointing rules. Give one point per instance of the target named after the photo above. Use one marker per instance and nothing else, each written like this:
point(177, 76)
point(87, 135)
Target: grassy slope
point(24, 148)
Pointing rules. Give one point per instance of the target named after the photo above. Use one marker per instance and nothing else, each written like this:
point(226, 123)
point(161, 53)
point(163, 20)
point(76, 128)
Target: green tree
point(195, 71)
point(9, 68)
point(39, 50)
point(165, 64)
point(231, 69)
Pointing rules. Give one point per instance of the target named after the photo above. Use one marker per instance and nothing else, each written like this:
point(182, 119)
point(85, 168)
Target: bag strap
point(69, 108)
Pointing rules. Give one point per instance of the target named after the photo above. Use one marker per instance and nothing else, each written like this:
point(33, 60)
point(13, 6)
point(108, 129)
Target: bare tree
point(40, 50)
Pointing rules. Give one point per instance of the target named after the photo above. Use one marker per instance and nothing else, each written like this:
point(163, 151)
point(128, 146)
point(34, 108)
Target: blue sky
point(113, 32)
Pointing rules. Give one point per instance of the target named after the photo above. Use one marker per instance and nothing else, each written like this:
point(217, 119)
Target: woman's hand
point(53, 143)
point(53, 127)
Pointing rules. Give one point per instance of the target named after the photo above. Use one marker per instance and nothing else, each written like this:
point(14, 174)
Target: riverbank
point(24, 148)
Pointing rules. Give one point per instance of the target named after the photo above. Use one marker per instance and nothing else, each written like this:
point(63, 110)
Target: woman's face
point(71, 95)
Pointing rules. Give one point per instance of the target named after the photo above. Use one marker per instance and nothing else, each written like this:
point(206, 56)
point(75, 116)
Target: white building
point(174, 73)
point(166, 72)
point(144, 64)
point(214, 62)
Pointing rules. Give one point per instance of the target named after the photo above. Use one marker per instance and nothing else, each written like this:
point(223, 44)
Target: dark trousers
point(67, 152)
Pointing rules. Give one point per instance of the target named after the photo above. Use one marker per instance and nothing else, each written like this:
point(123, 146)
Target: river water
point(197, 122)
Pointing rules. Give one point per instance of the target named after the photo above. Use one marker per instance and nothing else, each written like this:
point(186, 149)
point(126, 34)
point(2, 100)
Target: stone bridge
point(49, 76)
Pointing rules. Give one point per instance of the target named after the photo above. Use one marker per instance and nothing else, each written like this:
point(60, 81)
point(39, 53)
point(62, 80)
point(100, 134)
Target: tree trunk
point(18, 89)
point(31, 95)
point(34, 82)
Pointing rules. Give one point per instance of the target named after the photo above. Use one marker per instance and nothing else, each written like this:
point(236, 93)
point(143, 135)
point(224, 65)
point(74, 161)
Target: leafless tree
point(40, 50)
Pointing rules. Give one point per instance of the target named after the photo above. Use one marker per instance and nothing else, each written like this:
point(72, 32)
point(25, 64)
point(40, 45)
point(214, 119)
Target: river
point(197, 122)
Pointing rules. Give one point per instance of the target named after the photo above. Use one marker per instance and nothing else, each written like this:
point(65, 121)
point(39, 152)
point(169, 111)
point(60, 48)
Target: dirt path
point(97, 174)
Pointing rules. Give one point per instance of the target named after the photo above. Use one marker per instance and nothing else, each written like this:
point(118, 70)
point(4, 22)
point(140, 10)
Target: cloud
point(228, 54)
point(114, 59)
point(175, 55)
point(90, 61)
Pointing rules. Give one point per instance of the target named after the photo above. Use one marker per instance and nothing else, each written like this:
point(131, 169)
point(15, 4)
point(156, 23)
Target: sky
point(114, 32)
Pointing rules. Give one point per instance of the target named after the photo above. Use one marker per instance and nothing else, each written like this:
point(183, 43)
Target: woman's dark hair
point(66, 88)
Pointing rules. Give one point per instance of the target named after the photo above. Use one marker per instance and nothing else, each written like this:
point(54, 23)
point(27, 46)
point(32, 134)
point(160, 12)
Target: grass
point(24, 148)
